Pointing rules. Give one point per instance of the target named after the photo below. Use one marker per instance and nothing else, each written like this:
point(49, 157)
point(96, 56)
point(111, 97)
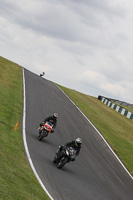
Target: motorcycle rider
point(76, 144)
point(52, 119)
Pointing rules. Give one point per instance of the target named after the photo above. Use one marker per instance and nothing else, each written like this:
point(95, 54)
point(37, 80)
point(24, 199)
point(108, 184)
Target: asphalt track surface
point(96, 174)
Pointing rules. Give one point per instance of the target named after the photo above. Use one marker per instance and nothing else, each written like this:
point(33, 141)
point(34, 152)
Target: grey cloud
point(123, 37)
point(5, 7)
point(95, 13)
point(52, 22)
point(104, 6)
point(60, 22)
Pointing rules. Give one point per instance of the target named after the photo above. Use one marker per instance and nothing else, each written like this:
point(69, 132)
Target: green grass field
point(17, 181)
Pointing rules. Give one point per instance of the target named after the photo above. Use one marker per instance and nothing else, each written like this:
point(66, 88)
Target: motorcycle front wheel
point(62, 162)
point(42, 135)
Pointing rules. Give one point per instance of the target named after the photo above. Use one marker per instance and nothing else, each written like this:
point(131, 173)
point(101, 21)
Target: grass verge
point(17, 180)
point(116, 128)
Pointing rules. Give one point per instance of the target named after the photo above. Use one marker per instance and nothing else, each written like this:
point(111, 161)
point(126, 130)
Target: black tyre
point(55, 159)
point(62, 162)
point(40, 137)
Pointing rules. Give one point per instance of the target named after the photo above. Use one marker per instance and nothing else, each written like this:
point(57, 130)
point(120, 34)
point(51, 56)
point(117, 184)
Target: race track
point(96, 174)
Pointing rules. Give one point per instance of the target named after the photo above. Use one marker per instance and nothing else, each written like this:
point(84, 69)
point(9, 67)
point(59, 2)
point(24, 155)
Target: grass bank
point(17, 180)
point(116, 128)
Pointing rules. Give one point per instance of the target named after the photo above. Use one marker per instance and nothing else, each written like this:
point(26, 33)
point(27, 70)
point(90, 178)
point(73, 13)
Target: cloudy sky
point(86, 45)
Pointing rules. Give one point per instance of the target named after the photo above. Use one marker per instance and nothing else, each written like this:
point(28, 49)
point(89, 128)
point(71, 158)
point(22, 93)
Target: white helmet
point(55, 115)
point(78, 141)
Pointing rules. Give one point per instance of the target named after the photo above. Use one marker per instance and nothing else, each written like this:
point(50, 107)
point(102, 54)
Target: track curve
point(96, 174)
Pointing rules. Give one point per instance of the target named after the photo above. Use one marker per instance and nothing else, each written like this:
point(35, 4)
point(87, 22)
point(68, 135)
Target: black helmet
point(78, 141)
point(55, 115)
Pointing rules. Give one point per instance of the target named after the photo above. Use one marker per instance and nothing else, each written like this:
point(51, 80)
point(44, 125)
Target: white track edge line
point(25, 142)
point(99, 134)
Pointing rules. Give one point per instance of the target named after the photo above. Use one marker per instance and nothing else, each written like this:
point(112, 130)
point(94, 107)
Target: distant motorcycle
point(63, 157)
point(45, 130)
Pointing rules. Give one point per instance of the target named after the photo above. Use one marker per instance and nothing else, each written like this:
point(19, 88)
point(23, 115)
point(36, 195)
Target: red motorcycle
point(45, 130)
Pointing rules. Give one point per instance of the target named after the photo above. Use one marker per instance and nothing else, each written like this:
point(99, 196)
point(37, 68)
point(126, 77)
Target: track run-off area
point(97, 174)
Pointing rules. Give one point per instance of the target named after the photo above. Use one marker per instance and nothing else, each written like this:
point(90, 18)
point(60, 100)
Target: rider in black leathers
point(76, 144)
point(52, 119)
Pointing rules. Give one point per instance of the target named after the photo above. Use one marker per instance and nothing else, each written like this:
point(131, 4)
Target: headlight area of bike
point(46, 128)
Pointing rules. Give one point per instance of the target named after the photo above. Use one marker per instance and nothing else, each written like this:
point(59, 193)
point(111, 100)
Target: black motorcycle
point(45, 130)
point(66, 155)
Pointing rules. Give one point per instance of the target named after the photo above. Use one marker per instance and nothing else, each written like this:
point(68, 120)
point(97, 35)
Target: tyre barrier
point(116, 107)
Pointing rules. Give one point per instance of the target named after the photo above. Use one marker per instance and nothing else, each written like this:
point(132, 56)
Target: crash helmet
point(55, 115)
point(78, 142)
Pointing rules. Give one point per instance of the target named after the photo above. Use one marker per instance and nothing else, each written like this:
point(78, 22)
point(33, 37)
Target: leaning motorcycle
point(45, 130)
point(63, 157)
